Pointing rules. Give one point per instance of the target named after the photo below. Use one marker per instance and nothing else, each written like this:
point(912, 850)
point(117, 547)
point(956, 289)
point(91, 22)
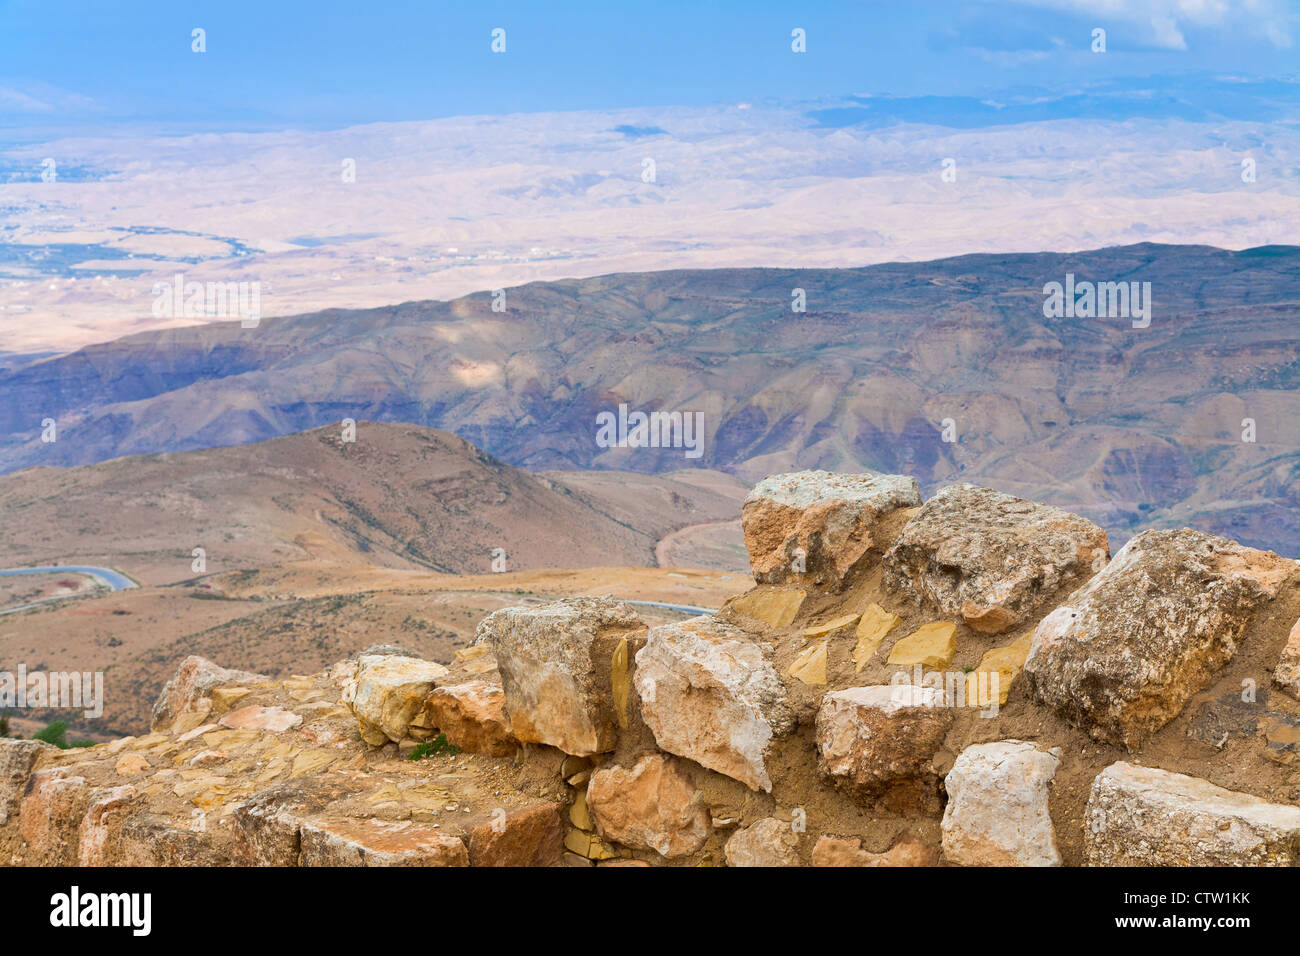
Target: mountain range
point(947, 370)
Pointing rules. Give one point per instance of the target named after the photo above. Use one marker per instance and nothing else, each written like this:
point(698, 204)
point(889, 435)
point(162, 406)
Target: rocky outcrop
point(564, 670)
point(997, 807)
point(653, 805)
point(388, 693)
point(816, 526)
point(990, 558)
point(1140, 816)
point(189, 694)
point(871, 738)
point(1123, 654)
point(708, 692)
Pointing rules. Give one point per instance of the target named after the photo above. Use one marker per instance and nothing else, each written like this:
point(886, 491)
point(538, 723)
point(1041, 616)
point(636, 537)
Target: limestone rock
point(347, 842)
point(256, 717)
point(809, 665)
point(1123, 654)
point(557, 662)
point(870, 738)
point(473, 717)
point(654, 805)
point(834, 624)
point(531, 835)
point(710, 693)
point(997, 807)
point(387, 693)
point(775, 607)
point(190, 689)
point(1140, 816)
point(103, 822)
point(1286, 675)
point(874, 627)
point(50, 814)
point(769, 842)
point(990, 557)
point(1007, 662)
point(930, 645)
point(847, 851)
point(829, 520)
point(131, 764)
point(17, 760)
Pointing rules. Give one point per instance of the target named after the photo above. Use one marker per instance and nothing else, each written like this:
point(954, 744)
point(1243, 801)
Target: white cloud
point(1166, 19)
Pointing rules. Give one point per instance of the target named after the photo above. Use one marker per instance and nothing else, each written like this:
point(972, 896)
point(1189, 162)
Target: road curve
point(106, 577)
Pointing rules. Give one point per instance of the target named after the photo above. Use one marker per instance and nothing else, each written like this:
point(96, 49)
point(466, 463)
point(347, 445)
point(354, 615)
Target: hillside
point(1131, 427)
point(399, 496)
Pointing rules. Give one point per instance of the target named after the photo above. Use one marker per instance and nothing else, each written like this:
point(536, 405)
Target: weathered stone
point(147, 839)
point(256, 717)
point(834, 624)
point(1007, 662)
point(1140, 816)
point(769, 842)
point(871, 738)
point(1123, 654)
point(103, 822)
point(50, 815)
point(990, 557)
point(930, 645)
point(131, 764)
point(191, 689)
point(532, 835)
point(387, 693)
point(997, 807)
point(821, 522)
point(347, 842)
point(847, 851)
point(775, 607)
point(17, 760)
point(653, 805)
point(1286, 675)
point(557, 666)
point(588, 846)
point(874, 627)
point(473, 717)
point(1228, 716)
point(809, 665)
point(709, 693)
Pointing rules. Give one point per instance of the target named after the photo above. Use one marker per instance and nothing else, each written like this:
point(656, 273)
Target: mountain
point(399, 496)
point(1129, 426)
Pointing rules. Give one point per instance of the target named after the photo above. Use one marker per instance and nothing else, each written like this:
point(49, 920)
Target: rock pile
point(969, 681)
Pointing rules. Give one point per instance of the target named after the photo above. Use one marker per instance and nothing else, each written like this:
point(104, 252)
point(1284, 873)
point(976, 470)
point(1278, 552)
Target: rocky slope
point(398, 496)
point(1131, 427)
point(974, 681)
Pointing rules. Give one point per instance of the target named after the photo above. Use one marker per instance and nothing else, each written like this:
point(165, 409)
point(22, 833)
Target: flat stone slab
point(1140, 816)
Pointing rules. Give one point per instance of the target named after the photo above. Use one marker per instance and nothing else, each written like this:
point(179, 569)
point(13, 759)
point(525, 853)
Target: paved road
point(106, 577)
point(684, 608)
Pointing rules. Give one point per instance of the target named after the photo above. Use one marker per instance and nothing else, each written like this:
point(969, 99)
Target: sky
point(98, 68)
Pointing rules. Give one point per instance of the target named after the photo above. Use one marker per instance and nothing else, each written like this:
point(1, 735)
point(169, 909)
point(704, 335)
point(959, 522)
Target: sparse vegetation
point(438, 745)
point(57, 734)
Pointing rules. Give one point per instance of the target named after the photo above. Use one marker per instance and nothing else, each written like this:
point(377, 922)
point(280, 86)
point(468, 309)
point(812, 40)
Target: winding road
point(105, 577)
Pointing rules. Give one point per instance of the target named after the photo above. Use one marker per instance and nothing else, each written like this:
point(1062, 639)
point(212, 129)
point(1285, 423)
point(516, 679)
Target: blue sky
point(100, 67)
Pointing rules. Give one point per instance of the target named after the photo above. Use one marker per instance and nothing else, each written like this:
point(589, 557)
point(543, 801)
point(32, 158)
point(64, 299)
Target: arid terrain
point(946, 370)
